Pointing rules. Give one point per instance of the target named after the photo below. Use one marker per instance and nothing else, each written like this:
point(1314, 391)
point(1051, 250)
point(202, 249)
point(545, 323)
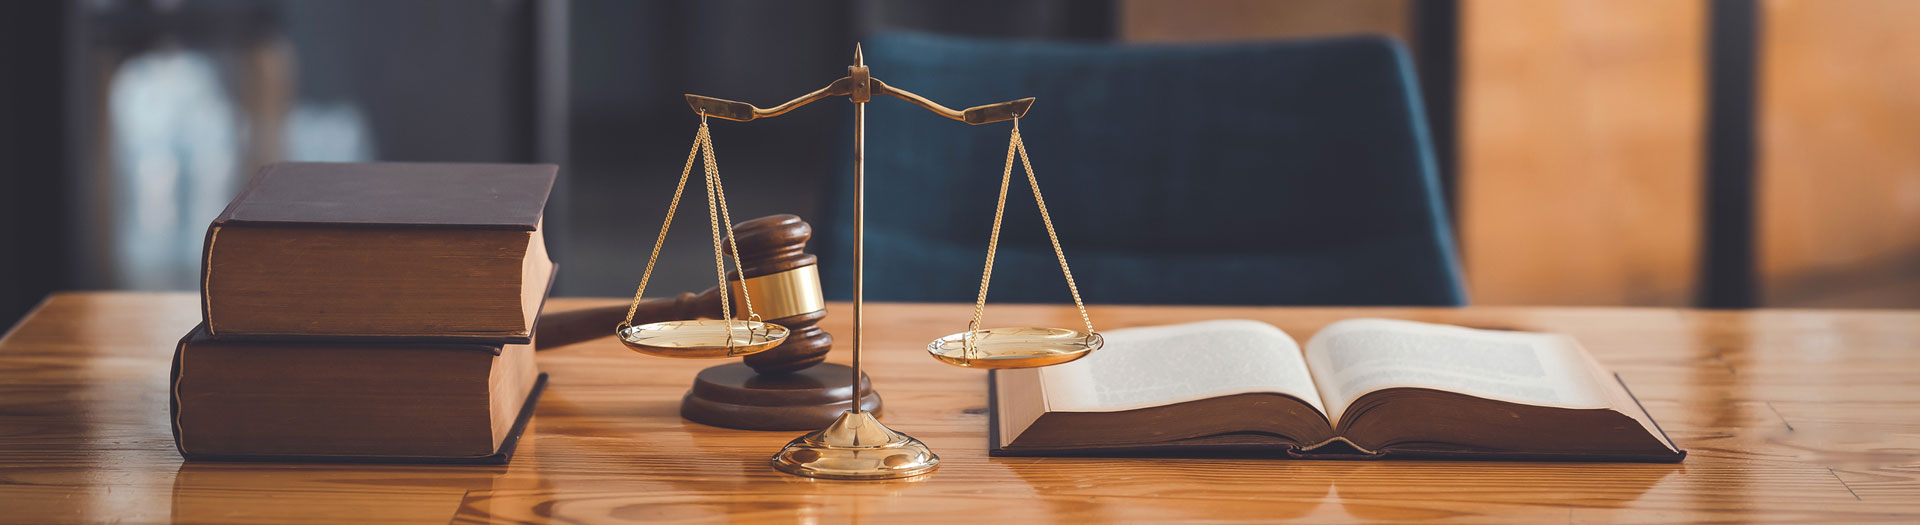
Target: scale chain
point(726, 221)
point(713, 224)
point(672, 207)
point(1015, 145)
point(717, 215)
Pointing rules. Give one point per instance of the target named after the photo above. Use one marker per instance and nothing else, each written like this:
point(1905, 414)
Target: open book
point(1362, 388)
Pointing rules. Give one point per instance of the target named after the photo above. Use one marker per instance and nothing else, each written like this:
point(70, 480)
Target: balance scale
point(855, 446)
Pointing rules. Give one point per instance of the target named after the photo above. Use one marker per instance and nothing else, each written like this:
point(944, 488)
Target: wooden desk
point(1790, 416)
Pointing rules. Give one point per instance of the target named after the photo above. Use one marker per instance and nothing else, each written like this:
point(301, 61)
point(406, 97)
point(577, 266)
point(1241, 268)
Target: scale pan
point(1015, 347)
point(703, 339)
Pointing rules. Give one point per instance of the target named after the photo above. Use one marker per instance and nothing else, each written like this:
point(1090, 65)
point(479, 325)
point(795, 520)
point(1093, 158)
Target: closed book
point(397, 251)
point(350, 401)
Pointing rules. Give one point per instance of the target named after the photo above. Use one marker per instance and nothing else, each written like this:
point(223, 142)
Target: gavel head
point(782, 281)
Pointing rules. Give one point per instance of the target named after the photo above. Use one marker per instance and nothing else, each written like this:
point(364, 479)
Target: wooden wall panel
point(1839, 166)
point(1218, 20)
point(1580, 150)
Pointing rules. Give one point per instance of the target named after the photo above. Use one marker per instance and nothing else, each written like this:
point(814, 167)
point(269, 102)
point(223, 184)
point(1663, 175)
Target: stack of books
point(368, 312)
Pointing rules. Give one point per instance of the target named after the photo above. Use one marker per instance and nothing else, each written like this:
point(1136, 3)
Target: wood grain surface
point(1790, 416)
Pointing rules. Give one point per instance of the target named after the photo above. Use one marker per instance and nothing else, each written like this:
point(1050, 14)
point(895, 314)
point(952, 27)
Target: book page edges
point(501, 455)
point(1013, 384)
point(173, 394)
point(206, 278)
point(523, 336)
point(1620, 397)
point(536, 267)
point(1640, 414)
point(509, 392)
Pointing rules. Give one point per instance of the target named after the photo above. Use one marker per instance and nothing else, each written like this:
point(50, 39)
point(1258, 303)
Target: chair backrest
point(1294, 172)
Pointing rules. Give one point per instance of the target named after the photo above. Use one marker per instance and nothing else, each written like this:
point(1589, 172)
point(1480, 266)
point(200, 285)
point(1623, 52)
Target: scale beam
point(844, 87)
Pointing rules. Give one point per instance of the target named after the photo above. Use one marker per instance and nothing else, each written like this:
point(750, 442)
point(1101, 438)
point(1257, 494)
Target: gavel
point(780, 276)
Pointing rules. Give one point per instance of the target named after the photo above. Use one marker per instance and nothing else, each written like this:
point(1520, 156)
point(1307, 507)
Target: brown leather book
point(398, 251)
point(333, 401)
point(1361, 388)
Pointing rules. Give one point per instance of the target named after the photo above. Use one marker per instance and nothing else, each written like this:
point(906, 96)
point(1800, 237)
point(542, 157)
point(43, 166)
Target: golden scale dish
point(855, 446)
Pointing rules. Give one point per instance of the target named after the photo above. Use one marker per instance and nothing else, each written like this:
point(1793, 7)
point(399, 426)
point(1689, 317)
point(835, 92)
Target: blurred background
point(1720, 153)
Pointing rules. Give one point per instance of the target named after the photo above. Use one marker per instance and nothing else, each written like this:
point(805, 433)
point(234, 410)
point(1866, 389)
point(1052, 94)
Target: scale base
point(857, 447)
point(733, 395)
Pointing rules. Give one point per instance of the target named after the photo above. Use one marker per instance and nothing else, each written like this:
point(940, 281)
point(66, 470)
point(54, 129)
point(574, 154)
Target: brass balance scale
point(856, 445)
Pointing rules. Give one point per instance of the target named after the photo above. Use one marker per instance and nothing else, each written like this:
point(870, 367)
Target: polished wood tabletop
point(1790, 416)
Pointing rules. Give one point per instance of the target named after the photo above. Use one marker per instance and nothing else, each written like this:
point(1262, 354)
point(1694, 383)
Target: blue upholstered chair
point(1295, 172)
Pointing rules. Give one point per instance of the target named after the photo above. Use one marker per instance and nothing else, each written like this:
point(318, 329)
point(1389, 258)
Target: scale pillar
point(857, 446)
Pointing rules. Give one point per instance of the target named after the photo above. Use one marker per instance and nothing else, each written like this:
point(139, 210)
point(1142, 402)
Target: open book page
point(1354, 357)
point(1163, 365)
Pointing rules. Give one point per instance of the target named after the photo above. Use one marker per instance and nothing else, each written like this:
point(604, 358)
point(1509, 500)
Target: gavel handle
point(559, 329)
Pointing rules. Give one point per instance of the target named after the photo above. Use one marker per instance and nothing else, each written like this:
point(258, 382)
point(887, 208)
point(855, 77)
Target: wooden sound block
point(734, 396)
